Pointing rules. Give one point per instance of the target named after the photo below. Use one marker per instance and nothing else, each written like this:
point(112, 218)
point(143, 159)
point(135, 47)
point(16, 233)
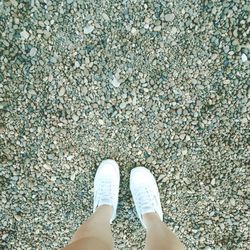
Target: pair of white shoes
point(142, 185)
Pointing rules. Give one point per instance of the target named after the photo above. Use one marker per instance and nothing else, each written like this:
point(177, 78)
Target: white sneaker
point(106, 185)
point(145, 192)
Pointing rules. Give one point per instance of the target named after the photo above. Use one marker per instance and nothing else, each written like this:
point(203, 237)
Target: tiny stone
point(18, 209)
point(105, 16)
point(232, 201)
point(247, 202)
point(134, 101)
point(70, 157)
point(50, 78)
point(150, 159)
point(53, 59)
point(84, 90)
point(24, 34)
point(70, 1)
point(3, 105)
point(33, 52)
point(161, 177)
point(101, 122)
point(73, 176)
point(4, 236)
point(75, 118)
point(240, 193)
point(182, 136)
point(14, 2)
point(184, 151)
point(50, 156)
point(2, 128)
point(133, 31)
point(244, 58)
point(46, 33)
point(177, 176)
point(174, 30)
point(213, 182)
point(47, 167)
point(53, 178)
point(208, 222)
point(61, 91)
point(169, 17)
point(157, 28)
point(115, 82)
point(208, 248)
point(123, 105)
point(235, 33)
point(244, 120)
point(77, 64)
point(88, 29)
point(17, 217)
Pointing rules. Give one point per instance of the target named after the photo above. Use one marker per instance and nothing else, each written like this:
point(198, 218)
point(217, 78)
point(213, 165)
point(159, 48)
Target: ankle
point(151, 219)
point(104, 211)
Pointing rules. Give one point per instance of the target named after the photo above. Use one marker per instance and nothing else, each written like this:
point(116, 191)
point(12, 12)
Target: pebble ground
point(160, 84)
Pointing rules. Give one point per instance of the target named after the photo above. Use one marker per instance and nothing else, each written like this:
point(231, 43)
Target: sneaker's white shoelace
point(144, 198)
point(105, 191)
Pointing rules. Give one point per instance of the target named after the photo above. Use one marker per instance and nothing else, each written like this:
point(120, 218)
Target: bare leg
point(159, 236)
point(95, 232)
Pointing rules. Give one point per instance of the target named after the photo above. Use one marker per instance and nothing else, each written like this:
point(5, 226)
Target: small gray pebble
point(88, 29)
point(24, 35)
point(33, 52)
point(169, 17)
point(123, 105)
point(61, 91)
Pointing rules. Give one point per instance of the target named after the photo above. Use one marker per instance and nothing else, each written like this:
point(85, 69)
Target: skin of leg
point(159, 236)
point(95, 232)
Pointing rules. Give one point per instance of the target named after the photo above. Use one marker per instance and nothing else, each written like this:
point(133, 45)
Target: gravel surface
point(161, 84)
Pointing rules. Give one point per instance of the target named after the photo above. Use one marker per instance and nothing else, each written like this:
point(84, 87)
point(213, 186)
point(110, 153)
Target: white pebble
point(213, 182)
point(17, 217)
point(24, 34)
point(115, 82)
point(14, 2)
point(232, 201)
point(47, 167)
point(88, 29)
point(75, 118)
point(134, 100)
point(77, 64)
point(70, 157)
point(208, 248)
point(73, 176)
point(105, 16)
point(174, 30)
point(134, 31)
point(33, 52)
point(4, 236)
point(53, 178)
point(184, 151)
point(123, 105)
point(169, 17)
point(101, 122)
point(244, 58)
point(61, 91)
point(157, 28)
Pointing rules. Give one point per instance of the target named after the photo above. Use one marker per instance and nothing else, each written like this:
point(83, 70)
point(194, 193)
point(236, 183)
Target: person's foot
point(106, 185)
point(145, 193)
